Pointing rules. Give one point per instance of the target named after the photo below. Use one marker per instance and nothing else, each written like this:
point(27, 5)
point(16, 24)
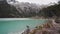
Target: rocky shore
point(51, 27)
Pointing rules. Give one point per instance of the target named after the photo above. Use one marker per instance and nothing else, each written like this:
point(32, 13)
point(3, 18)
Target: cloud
point(38, 1)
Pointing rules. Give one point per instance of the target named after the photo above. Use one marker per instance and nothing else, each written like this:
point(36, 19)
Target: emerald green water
point(12, 25)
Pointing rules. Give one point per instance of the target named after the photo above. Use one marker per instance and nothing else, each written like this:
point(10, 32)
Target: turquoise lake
point(17, 25)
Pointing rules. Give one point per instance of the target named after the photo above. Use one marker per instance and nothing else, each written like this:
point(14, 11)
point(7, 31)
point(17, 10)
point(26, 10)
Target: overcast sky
point(38, 1)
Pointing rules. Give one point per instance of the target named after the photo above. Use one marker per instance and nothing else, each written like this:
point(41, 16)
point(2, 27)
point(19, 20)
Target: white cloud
point(38, 1)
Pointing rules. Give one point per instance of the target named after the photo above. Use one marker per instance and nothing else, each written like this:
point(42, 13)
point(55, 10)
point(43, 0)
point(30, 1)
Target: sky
point(39, 1)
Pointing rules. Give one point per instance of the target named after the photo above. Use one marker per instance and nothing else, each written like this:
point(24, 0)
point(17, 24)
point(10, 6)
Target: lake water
point(17, 25)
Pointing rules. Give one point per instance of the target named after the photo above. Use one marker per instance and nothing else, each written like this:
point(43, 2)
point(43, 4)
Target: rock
point(48, 28)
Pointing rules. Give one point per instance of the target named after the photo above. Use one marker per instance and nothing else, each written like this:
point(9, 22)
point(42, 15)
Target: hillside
point(7, 11)
point(52, 11)
point(19, 10)
point(28, 10)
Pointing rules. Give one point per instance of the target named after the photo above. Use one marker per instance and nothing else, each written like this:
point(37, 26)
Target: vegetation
point(7, 10)
point(51, 11)
point(24, 10)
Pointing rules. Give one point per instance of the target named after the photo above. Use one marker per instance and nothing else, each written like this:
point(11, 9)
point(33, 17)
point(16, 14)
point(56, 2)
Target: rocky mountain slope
point(24, 10)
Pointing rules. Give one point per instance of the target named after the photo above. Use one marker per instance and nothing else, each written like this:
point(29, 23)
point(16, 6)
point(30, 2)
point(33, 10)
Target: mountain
point(26, 9)
point(20, 9)
point(6, 10)
point(52, 11)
